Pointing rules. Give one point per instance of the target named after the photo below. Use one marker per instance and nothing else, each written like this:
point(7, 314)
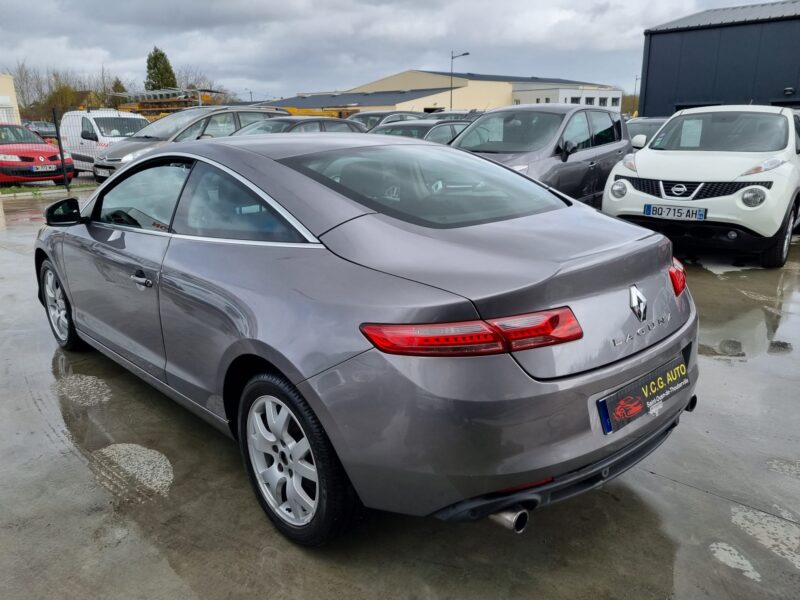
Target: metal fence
point(61, 145)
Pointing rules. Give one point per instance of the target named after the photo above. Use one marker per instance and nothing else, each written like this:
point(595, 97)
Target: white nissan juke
point(721, 176)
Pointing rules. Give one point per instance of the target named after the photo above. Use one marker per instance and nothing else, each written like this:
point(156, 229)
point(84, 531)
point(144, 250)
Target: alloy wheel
point(56, 305)
point(282, 460)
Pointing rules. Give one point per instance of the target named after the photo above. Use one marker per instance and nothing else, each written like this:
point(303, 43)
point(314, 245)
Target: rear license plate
point(102, 172)
point(678, 213)
point(43, 168)
point(644, 396)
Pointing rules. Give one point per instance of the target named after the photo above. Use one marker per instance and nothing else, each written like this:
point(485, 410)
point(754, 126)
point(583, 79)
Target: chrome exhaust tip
point(514, 519)
point(692, 404)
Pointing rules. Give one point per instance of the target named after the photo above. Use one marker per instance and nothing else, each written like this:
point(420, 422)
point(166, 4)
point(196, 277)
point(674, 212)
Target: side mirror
point(206, 136)
point(89, 135)
point(567, 148)
point(639, 141)
point(63, 213)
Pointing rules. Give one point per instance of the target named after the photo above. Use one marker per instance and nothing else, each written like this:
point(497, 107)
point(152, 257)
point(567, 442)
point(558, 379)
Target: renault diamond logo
point(41, 159)
point(678, 190)
point(638, 303)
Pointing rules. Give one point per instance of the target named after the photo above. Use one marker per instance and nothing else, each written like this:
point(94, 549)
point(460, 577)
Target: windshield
point(428, 185)
point(413, 131)
point(510, 131)
point(645, 128)
point(15, 134)
point(732, 131)
point(269, 126)
point(368, 120)
point(119, 126)
point(166, 127)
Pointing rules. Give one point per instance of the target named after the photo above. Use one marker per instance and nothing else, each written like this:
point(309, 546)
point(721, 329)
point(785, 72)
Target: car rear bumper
point(427, 436)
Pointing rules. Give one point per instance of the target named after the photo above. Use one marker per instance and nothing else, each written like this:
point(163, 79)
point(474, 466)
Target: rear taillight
point(473, 338)
point(677, 275)
point(539, 329)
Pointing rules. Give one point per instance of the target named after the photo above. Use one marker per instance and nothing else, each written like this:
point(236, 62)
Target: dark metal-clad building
point(739, 55)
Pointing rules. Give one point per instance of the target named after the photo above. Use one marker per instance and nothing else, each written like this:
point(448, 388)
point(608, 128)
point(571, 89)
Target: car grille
point(26, 158)
point(712, 189)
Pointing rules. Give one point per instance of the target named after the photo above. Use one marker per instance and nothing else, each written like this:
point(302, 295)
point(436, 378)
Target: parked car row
point(26, 157)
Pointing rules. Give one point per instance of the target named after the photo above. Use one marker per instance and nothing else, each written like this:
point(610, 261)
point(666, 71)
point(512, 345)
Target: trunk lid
point(572, 257)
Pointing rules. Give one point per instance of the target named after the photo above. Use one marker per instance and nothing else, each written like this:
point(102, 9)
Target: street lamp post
point(635, 108)
point(454, 56)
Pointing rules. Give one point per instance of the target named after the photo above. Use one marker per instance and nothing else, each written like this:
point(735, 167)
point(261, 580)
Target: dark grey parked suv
point(566, 146)
point(379, 321)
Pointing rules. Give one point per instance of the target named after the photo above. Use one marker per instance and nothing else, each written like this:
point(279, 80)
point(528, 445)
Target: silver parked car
point(379, 321)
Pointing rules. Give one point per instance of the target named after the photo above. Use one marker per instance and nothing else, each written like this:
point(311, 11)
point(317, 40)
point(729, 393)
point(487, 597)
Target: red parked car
point(24, 156)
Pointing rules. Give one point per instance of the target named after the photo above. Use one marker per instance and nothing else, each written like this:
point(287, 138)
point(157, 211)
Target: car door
point(607, 149)
point(112, 263)
point(575, 176)
point(87, 145)
point(207, 306)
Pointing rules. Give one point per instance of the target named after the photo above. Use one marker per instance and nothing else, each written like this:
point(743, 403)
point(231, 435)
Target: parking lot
point(110, 490)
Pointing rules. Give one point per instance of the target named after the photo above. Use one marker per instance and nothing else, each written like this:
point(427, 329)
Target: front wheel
point(59, 311)
point(291, 464)
point(778, 251)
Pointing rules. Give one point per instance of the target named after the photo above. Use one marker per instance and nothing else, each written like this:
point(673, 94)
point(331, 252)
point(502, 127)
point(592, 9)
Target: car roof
point(385, 112)
point(416, 122)
point(297, 118)
point(775, 110)
point(554, 107)
point(637, 119)
point(284, 145)
point(104, 112)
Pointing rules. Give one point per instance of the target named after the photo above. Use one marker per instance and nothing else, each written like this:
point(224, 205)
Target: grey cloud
point(278, 49)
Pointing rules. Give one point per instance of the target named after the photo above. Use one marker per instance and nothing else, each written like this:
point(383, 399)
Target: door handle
point(139, 278)
point(592, 165)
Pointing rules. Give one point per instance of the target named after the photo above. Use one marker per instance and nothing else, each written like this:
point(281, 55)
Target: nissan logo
point(678, 190)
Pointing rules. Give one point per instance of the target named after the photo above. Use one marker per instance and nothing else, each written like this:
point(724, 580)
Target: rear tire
point(282, 464)
point(58, 309)
point(776, 254)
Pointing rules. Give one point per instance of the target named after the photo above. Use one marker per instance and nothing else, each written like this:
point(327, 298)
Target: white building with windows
point(588, 94)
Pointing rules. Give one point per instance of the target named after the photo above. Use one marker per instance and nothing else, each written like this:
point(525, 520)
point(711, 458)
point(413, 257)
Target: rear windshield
point(168, 126)
point(119, 126)
point(724, 132)
point(427, 185)
point(510, 131)
point(645, 128)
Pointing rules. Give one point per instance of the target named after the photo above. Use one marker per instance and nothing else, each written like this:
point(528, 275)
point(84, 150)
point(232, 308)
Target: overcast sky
point(277, 49)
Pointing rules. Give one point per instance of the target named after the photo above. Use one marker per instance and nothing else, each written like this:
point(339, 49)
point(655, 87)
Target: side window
point(146, 199)
point(220, 125)
point(602, 127)
point(441, 134)
point(309, 127)
point(392, 119)
point(355, 128)
point(577, 131)
point(797, 133)
point(246, 118)
point(192, 132)
point(216, 205)
point(86, 126)
point(337, 126)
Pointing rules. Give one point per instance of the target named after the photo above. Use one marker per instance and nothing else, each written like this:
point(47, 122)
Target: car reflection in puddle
point(746, 312)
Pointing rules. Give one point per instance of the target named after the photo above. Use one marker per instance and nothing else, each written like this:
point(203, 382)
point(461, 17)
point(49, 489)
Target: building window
point(590, 101)
point(602, 101)
point(547, 100)
point(516, 100)
point(615, 101)
point(575, 100)
point(538, 101)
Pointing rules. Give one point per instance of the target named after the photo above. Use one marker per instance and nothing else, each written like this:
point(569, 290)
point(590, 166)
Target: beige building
point(430, 91)
point(9, 111)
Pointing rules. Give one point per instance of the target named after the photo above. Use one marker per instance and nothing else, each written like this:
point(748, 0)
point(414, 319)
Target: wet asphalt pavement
point(110, 490)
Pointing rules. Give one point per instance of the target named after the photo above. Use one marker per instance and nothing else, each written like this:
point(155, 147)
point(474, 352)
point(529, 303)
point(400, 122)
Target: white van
point(87, 133)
